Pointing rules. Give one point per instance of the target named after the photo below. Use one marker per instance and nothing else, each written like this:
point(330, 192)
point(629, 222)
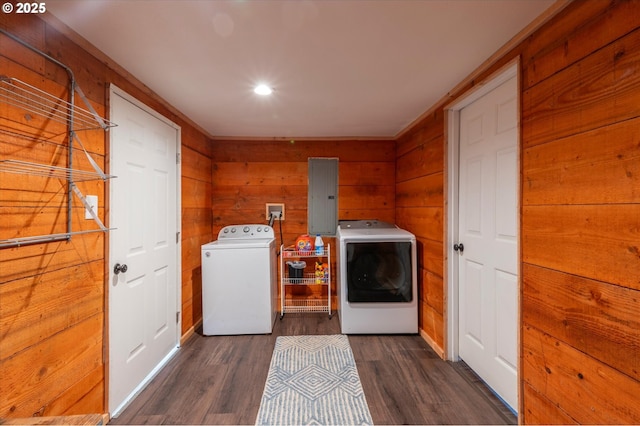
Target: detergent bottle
point(319, 245)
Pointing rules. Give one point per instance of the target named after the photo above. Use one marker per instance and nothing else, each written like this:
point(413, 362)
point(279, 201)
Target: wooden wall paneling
point(580, 112)
point(29, 128)
point(30, 68)
point(195, 193)
point(366, 201)
point(31, 221)
point(352, 173)
point(192, 280)
point(425, 222)
point(196, 221)
point(366, 190)
point(94, 142)
point(383, 215)
point(196, 224)
point(33, 138)
point(233, 151)
point(196, 141)
point(599, 90)
point(188, 314)
point(31, 191)
point(593, 241)
point(601, 166)
point(588, 390)
point(577, 32)
point(428, 128)
point(196, 230)
point(424, 191)
point(29, 313)
point(431, 256)
point(426, 159)
point(49, 219)
point(33, 33)
point(419, 205)
point(28, 261)
point(48, 151)
point(37, 151)
point(294, 224)
point(83, 396)
point(244, 209)
point(592, 316)
point(48, 216)
point(432, 291)
point(294, 198)
point(252, 197)
point(541, 411)
point(89, 72)
point(36, 376)
point(195, 165)
point(273, 151)
point(367, 151)
point(244, 182)
point(432, 324)
point(260, 173)
point(243, 204)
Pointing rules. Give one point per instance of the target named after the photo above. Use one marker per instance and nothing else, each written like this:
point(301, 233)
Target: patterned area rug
point(313, 380)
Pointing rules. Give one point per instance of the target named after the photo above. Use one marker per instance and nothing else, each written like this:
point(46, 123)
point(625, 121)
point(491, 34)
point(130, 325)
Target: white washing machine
point(377, 278)
point(239, 281)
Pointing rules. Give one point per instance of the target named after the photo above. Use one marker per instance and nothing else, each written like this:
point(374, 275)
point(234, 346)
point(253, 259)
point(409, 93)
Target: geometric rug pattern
point(313, 380)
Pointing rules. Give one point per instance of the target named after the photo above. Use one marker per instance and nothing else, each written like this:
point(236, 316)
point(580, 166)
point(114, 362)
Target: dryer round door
point(379, 272)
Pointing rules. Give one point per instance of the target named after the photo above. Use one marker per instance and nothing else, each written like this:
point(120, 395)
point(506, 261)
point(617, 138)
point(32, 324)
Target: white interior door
point(144, 209)
point(488, 233)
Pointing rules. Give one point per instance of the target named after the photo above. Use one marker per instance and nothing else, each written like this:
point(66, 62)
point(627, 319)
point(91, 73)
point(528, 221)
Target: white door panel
point(488, 229)
point(473, 292)
point(143, 300)
point(506, 327)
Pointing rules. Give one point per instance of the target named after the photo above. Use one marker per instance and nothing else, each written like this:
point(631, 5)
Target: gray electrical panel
point(323, 196)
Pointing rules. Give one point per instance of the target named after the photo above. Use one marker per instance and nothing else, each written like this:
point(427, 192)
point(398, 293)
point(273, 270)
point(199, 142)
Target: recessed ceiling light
point(262, 89)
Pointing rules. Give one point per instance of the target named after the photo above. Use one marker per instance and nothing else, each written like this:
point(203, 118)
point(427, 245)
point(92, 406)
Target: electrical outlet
point(92, 200)
point(274, 208)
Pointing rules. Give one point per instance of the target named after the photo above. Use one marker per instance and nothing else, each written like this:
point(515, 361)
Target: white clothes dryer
point(239, 281)
point(377, 278)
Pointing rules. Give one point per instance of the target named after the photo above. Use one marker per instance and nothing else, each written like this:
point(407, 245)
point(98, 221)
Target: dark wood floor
point(220, 379)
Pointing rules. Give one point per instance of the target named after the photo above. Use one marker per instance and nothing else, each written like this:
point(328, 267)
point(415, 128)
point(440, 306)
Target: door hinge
point(178, 317)
point(178, 158)
point(177, 237)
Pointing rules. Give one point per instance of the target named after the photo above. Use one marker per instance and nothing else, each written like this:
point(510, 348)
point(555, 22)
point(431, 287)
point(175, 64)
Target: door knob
point(119, 268)
point(458, 247)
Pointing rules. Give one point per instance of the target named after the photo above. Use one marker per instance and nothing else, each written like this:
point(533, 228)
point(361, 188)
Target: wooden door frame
point(452, 166)
point(115, 90)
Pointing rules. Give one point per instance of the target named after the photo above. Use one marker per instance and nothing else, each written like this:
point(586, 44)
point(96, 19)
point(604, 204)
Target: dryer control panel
point(246, 232)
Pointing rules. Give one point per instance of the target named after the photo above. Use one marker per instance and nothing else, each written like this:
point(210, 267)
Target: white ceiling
point(350, 68)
